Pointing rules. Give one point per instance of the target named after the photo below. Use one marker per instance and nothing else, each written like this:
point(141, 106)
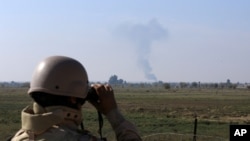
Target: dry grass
point(152, 110)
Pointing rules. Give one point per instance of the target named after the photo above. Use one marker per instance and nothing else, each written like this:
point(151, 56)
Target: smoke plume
point(142, 36)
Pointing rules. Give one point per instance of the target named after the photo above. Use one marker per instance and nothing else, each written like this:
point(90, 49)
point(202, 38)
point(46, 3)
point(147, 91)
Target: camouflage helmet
point(60, 75)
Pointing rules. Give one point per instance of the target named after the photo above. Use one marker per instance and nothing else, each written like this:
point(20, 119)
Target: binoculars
point(92, 95)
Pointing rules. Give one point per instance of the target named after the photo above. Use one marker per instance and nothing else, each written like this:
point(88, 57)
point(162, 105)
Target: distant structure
point(14, 84)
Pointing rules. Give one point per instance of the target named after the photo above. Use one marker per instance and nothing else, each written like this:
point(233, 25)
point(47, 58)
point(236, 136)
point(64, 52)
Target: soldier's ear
point(73, 100)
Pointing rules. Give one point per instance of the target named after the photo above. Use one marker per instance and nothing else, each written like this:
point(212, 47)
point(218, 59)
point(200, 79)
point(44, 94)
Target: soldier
point(59, 88)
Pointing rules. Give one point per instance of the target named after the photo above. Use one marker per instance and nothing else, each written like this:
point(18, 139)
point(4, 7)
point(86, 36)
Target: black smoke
point(142, 36)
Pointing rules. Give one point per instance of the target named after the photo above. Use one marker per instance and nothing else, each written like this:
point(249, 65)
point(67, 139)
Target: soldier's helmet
point(60, 75)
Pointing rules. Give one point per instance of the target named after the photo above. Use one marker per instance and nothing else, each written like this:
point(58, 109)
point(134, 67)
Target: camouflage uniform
point(60, 123)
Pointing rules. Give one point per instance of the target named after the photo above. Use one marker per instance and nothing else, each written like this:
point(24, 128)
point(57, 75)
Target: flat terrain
point(152, 110)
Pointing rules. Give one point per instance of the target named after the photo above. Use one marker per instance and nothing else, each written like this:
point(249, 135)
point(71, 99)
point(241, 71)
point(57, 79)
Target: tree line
point(118, 82)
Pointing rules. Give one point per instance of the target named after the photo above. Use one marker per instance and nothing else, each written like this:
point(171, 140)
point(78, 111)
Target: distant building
point(243, 86)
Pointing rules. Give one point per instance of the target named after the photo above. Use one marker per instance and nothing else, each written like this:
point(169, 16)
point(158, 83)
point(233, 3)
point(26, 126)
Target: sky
point(137, 40)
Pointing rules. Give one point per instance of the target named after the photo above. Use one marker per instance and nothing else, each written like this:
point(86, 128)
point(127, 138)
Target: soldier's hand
point(106, 101)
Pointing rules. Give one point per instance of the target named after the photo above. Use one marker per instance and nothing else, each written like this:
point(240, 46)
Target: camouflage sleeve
point(124, 130)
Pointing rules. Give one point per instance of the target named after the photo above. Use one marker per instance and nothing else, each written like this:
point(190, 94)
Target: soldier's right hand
point(106, 101)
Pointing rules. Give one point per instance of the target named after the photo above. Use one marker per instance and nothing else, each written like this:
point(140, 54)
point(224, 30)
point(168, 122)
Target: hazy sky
point(138, 40)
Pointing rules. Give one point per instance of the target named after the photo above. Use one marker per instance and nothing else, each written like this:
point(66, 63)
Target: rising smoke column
point(142, 35)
